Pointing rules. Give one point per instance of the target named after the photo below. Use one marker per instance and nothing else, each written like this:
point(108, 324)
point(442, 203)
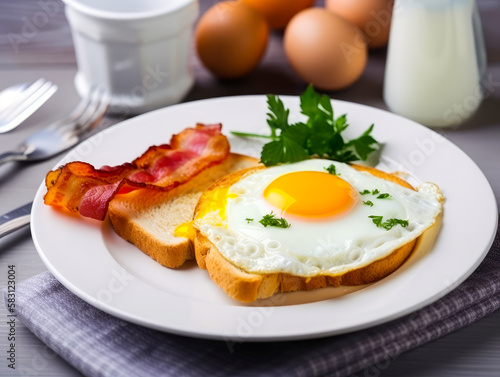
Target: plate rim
point(260, 337)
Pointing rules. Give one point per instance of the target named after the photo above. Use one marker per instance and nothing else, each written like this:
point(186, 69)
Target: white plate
point(89, 259)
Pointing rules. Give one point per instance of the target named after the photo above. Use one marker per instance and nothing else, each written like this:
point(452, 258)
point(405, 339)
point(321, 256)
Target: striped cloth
point(98, 344)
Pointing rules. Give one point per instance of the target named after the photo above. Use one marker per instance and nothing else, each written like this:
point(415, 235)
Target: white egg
point(330, 228)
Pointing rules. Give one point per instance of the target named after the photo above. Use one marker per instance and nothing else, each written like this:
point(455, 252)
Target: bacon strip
point(79, 187)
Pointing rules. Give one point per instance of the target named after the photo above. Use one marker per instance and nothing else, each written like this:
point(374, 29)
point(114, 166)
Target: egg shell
point(325, 49)
point(278, 12)
point(231, 38)
point(373, 17)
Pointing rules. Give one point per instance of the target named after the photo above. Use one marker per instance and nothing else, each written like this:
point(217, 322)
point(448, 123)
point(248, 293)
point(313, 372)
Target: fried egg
point(335, 218)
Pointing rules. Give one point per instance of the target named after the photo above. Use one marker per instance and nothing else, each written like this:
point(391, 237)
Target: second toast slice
point(148, 218)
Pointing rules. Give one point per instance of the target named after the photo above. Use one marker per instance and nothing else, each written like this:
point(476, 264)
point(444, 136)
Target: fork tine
point(83, 110)
point(96, 105)
point(29, 101)
point(95, 112)
point(50, 141)
point(96, 118)
point(32, 88)
point(80, 109)
point(6, 95)
point(32, 93)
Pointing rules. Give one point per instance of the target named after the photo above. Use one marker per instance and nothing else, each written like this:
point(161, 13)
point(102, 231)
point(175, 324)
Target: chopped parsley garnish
point(248, 220)
point(319, 135)
point(270, 220)
point(388, 224)
point(368, 203)
point(375, 192)
point(331, 169)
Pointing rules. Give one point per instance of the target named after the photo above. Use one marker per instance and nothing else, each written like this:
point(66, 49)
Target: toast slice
point(247, 286)
point(148, 218)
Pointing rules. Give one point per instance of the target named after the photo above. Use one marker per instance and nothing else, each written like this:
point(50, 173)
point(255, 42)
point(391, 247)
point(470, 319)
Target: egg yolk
point(311, 194)
point(215, 201)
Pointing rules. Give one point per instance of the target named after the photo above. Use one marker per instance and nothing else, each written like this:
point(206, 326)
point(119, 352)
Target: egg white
point(323, 246)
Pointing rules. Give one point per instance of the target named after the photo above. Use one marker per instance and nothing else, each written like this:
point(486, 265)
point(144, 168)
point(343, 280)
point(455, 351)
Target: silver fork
point(18, 102)
point(62, 134)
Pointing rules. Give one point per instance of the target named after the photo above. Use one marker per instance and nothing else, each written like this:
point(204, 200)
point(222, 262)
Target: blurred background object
point(372, 17)
point(136, 50)
point(231, 38)
point(279, 12)
point(325, 49)
point(18, 102)
point(436, 61)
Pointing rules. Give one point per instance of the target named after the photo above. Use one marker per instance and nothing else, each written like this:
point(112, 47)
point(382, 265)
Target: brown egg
point(279, 12)
point(373, 17)
point(325, 49)
point(231, 38)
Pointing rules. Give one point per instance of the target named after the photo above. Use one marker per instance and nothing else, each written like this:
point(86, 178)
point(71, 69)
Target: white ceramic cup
point(137, 50)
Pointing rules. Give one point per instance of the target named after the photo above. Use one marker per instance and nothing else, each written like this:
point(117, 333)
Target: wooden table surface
point(48, 52)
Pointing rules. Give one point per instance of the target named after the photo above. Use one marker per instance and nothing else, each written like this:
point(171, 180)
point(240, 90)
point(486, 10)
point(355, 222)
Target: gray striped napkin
point(98, 344)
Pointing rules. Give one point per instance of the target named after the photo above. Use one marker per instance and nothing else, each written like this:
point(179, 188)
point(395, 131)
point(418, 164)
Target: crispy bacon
point(79, 187)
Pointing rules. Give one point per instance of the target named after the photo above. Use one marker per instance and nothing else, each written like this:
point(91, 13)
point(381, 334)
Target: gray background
point(473, 351)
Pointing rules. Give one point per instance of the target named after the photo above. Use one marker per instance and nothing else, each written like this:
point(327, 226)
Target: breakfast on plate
point(298, 227)
point(303, 217)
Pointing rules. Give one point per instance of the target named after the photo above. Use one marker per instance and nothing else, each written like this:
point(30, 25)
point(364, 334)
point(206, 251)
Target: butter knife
point(15, 219)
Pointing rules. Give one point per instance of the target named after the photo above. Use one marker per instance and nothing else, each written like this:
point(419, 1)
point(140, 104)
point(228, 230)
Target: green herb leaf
point(309, 101)
point(368, 203)
point(277, 115)
point(270, 220)
point(377, 220)
point(388, 224)
point(248, 220)
point(384, 196)
point(341, 123)
point(363, 144)
point(331, 169)
point(281, 151)
point(298, 132)
point(364, 192)
point(247, 134)
point(320, 135)
point(319, 143)
point(375, 192)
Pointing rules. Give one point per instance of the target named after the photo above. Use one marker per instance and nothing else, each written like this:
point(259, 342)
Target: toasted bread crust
point(247, 287)
point(170, 255)
point(128, 212)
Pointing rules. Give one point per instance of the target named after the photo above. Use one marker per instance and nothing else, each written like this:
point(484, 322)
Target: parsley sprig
point(271, 220)
point(319, 136)
point(388, 224)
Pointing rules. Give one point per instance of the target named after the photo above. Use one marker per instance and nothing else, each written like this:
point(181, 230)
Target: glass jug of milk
point(435, 60)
